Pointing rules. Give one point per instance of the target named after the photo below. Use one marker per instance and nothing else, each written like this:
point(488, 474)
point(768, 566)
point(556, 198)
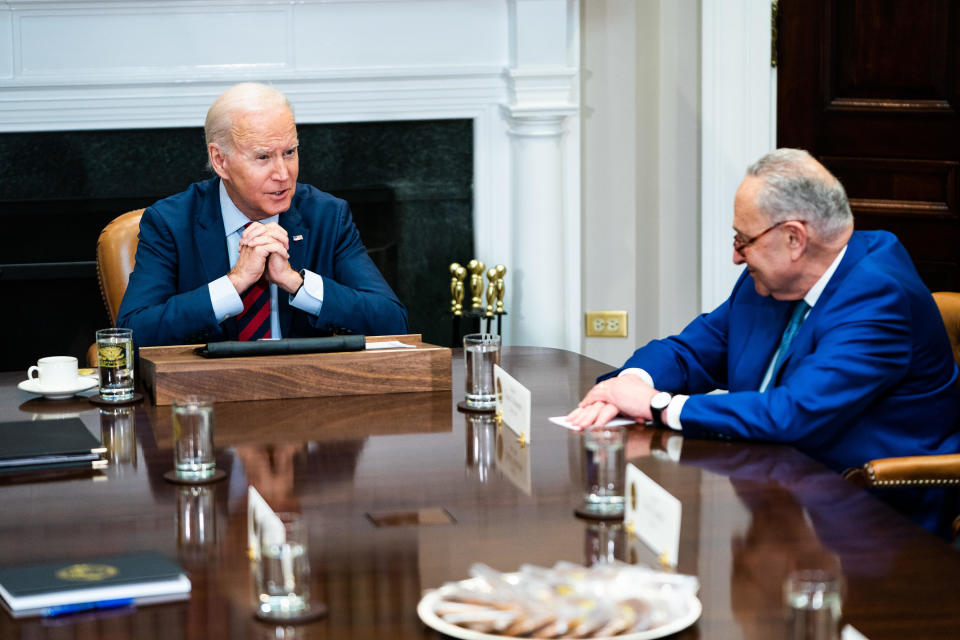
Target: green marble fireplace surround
point(409, 184)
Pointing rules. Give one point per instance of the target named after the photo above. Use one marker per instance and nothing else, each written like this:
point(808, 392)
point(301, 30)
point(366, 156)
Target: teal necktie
point(793, 326)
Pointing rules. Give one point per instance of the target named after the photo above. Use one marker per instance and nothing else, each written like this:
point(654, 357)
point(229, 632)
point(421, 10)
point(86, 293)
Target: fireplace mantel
point(509, 65)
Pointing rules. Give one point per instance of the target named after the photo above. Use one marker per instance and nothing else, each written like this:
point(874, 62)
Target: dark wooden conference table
point(372, 474)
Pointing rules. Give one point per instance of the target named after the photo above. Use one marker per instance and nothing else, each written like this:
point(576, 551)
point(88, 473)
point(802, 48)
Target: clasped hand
point(628, 395)
point(264, 254)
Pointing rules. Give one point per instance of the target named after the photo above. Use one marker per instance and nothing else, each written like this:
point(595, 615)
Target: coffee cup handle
point(30, 371)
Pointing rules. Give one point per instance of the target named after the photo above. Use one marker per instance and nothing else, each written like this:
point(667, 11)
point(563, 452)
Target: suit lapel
point(211, 241)
point(212, 244)
point(802, 342)
point(292, 223)
point(767, 319)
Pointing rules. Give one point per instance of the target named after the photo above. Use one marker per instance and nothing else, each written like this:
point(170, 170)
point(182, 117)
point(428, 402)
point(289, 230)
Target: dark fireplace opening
point(409, 185)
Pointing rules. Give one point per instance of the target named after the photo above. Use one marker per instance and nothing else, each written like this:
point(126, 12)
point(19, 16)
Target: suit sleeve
point(862, 349)
point(695, 360)
point(152, 306)
point(355, 295)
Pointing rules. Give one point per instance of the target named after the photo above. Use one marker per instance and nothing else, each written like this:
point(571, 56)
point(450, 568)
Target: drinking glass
point(193, 457)
point(604, 471)
point(115, 356)
point(480, 352)
point(814, 601)
point(282, 572)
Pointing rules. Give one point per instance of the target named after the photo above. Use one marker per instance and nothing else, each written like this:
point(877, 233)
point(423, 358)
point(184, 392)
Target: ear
point(218, 160)
point(797, 238)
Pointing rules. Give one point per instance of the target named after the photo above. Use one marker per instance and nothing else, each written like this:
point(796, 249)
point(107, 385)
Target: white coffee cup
point(55, 372)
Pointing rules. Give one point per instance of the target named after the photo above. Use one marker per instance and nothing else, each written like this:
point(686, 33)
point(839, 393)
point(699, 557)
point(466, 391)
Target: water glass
point(480, 352)
point(115, 359)
point(604, 470)
point(193, 457)
point(282, 572)
point(814, 601)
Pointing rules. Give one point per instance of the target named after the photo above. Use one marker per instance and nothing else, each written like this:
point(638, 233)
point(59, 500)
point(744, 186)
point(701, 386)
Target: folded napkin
point(330, 344)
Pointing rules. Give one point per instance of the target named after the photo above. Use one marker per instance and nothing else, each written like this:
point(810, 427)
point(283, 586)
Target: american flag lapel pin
point(297, 238)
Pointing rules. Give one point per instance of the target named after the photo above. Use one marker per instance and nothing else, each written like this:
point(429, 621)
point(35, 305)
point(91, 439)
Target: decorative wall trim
point(738, 119)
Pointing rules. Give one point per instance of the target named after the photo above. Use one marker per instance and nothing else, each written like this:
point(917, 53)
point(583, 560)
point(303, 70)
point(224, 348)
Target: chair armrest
point(907, 471)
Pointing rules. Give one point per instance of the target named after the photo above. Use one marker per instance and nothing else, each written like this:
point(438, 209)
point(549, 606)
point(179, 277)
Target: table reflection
point(481, 435)
point(118, 434)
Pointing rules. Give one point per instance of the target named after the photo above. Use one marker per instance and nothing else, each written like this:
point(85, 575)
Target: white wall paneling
point(510, 65)
point(738, 125)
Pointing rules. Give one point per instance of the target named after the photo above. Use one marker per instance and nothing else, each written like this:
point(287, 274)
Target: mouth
point(278, 194)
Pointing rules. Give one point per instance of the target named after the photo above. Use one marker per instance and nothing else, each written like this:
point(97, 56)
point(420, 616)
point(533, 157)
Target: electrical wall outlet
point(606, 324)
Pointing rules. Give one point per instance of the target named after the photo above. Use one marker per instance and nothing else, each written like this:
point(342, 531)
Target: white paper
point(390, 344)
point(652, 514)
point(257, 507)
point(513, 403)
point(849, 633)
point(616, 422)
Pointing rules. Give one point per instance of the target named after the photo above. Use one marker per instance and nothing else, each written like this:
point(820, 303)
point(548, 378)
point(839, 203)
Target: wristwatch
point(658, 404)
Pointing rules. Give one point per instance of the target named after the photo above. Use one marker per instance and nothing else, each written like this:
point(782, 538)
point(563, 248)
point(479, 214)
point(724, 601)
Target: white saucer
point(33, 386)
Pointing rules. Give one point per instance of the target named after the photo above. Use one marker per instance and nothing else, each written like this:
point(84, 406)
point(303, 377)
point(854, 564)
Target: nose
point(738, 257)
point(280, 170)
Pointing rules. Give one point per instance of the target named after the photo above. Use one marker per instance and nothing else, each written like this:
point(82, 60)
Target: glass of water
point(282, 573)
point(193, 457)
point(604, 469)
point(480, 352)
point(115, 361)
point(814, 601)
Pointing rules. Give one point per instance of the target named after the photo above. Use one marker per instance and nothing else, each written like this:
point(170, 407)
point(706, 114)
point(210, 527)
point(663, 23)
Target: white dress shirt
point(223, 295)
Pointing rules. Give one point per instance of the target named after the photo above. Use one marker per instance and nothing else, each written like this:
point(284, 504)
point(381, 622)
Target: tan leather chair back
point(116, 249)
point(949, 304)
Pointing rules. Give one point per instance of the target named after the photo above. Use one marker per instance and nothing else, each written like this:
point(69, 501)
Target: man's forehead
point(745, 210)
point(265, 130)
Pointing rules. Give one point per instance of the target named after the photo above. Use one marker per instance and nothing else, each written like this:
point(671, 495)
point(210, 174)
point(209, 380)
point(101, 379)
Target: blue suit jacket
point(182, 249)
point(870, 373)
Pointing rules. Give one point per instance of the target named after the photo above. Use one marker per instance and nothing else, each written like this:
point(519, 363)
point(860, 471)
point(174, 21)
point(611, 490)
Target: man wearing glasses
point(829, 341)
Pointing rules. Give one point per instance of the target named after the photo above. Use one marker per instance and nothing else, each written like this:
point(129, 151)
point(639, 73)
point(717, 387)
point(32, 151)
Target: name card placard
point(513, 403)
point(653, 515)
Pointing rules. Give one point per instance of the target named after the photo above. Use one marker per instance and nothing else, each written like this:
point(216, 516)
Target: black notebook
point(28, 444)
point(105, 582)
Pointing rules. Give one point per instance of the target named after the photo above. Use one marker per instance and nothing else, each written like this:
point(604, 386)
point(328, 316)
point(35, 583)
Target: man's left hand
point(628, 395)
point(278, 269)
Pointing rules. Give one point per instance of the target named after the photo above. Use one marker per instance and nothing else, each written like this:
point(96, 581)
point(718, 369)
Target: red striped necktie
point(254, 321)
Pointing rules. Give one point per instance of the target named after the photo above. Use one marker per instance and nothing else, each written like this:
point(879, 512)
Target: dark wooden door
point(870, 87)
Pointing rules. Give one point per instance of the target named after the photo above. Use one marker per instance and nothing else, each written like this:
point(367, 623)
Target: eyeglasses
point(740, 243)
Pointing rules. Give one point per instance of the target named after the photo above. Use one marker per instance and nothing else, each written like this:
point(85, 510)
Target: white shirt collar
point(234, 219)
point(817, 289)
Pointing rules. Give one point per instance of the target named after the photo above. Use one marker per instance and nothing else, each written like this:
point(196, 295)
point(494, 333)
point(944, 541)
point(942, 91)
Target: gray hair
point(240, 98)
point(797, 187)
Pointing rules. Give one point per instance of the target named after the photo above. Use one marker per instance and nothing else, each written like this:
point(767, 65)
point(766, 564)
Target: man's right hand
point(256, 245)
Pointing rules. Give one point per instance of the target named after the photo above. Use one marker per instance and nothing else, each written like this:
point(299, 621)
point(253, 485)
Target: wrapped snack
point(567, 601)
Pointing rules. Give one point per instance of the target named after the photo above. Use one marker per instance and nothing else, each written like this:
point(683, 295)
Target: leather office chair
point(920, 470)
point(116, 249)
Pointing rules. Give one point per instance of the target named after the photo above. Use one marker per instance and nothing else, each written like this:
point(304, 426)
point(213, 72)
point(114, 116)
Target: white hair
point(240, 98)
point(797, 187)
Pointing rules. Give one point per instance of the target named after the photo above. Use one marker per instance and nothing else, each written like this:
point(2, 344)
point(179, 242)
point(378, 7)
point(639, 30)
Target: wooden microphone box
point(173, 372)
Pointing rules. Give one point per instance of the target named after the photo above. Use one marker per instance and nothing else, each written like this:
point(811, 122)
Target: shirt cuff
point(672, 414)
point(309, 297)
point(224, 298)
point(636, 371)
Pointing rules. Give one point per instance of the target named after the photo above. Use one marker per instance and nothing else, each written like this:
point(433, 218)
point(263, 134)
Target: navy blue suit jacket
point(183, 248)
point(870, 373)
